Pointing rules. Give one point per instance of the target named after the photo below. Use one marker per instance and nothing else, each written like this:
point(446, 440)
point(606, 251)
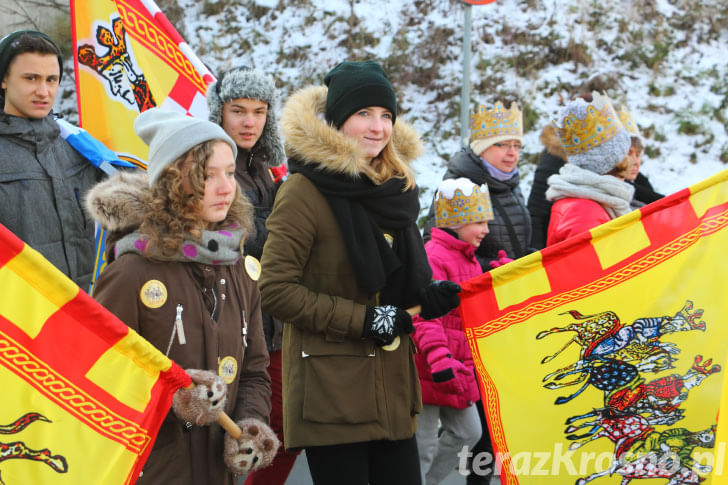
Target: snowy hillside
point(665, 59)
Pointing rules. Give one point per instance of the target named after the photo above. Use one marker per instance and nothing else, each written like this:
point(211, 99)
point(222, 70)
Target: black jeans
point(371, 462)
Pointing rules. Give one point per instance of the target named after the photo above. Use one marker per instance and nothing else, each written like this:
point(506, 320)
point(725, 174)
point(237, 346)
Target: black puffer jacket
point(643, 190)
point(508, 204)
point(550, 162)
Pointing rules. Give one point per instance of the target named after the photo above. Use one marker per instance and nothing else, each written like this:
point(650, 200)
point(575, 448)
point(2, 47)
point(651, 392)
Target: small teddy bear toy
point(255, 448)
point(202, 404)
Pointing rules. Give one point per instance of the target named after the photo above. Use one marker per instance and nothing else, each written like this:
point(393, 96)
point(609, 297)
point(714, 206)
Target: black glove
point(383, 323)
point(438, 298)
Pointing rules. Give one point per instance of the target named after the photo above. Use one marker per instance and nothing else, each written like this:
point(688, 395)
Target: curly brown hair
point(173, 214)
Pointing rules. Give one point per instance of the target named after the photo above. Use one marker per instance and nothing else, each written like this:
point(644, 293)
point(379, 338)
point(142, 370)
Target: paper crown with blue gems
point(488, 126)
point(625, 117)
point(459, 201)
point(592, 135)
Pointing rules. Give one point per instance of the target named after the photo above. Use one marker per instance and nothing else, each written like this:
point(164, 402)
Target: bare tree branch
point(26, 11)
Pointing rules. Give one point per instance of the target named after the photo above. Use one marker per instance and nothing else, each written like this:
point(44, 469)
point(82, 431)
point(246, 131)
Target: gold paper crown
point(463, 209)
point(625, 117)
point(599, 126)
point(498, 122)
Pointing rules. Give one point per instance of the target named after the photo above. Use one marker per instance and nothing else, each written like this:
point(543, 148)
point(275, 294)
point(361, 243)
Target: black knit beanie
point(356, 85)
point(7, 54)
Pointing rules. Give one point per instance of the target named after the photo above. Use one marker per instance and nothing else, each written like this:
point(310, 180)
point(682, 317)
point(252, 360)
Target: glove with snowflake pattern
point(383, 323)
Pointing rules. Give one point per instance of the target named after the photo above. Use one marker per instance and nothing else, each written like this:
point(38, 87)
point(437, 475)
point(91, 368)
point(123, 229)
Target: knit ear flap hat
point(592, 135)
point(244, 82)
point(170, 135)
point(459, 201)
point(356, 85)
point(7, 48)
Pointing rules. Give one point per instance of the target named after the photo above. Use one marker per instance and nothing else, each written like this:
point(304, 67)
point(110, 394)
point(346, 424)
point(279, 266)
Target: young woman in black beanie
point(343, 262)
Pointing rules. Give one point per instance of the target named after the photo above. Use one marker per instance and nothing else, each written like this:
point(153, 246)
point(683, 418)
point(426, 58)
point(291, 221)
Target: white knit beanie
point(170, 135)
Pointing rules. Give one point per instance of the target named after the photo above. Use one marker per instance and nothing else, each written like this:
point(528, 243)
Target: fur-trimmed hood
point(551, 140)
point(311, 140)
point(119, 203)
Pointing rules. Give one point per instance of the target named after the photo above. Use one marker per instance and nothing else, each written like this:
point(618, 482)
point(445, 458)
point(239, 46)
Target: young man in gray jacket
point(42, 179)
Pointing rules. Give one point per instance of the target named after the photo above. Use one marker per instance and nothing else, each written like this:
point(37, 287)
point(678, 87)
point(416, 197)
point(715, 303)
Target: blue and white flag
point(90, 148)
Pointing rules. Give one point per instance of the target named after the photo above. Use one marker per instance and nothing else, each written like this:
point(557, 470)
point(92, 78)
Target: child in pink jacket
point(444, 362)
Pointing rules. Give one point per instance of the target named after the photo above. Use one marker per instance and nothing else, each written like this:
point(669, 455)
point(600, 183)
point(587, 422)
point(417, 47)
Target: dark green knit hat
point(8, 50)
point(356, 85)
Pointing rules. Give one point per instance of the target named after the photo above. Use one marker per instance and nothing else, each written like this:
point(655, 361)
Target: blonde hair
point(389, 164)
point(173, 214)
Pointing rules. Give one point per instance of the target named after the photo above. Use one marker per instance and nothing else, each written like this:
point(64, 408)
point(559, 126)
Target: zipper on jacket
point(177, 329)
point(245, 332)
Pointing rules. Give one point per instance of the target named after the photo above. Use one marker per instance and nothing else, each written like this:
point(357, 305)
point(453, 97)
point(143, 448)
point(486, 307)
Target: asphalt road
point(300, 476)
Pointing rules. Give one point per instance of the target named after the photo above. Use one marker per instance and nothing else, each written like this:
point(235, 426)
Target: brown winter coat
point(337, 387)
point(187, 455)
point(255, 179)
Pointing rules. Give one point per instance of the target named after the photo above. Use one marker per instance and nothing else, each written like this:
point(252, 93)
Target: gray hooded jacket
point(42, 184)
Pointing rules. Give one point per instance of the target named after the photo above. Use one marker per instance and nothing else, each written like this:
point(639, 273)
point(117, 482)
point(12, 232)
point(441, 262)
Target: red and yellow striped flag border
point(574, 270)
point(70, 355)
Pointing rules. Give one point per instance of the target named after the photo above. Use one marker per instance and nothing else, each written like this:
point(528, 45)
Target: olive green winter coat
point(337, 387)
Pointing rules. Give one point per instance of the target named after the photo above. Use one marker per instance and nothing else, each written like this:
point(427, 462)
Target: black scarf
point(361, 209)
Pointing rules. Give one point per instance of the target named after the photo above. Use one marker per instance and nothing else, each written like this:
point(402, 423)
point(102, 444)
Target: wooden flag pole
point(225, 421)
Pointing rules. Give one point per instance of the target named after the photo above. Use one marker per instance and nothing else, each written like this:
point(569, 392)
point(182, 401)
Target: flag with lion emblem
point(128, 58)
point(602, 359)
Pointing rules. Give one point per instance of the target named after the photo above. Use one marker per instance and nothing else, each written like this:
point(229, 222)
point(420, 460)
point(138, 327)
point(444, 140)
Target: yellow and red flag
point(84, 394)
point(602, 358)
point(128, 58)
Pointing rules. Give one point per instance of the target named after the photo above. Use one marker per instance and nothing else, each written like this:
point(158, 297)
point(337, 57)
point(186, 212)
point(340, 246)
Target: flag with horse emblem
point(601, 359)
point(84, 394)
point(128, 58)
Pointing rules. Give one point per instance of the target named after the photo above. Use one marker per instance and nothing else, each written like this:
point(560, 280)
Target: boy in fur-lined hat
point(243, 101)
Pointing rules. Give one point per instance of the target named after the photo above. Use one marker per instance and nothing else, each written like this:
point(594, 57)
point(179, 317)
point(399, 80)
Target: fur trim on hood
point(310, 139)
point(251, 84)
point(552, 142)
point(119, 202)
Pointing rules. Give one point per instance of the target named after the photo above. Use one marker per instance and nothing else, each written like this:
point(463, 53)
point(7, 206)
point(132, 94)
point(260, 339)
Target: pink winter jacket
point(454, 260)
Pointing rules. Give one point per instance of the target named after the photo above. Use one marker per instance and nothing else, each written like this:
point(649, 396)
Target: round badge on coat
point(153, 294)
point(252, 267)
point(228, 369)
